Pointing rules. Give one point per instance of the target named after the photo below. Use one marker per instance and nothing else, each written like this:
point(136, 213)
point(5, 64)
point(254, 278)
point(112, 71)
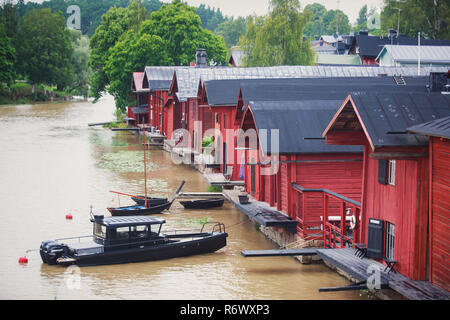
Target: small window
point(224, 120)
point(391, 177)
point(194, 105)
point(217, 118)
point(122, 233)
point(390, 240)
point(100, 230)
point(139, 231)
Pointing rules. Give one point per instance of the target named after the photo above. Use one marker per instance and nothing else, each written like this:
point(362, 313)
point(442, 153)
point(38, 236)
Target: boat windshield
point(100, 230)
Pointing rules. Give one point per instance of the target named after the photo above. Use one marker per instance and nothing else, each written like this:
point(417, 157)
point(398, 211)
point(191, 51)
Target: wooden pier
point(361, 269)
point(262, 213)
point(279, 252)
point(218, 179)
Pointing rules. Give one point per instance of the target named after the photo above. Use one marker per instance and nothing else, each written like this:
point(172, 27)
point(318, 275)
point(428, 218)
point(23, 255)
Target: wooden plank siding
point(405, 206)
point(440, 212)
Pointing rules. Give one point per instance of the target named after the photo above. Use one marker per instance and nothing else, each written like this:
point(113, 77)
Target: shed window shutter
point(375, 239)
point(383, 171)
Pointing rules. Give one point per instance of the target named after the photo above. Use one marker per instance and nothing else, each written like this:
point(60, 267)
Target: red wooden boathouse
point(439, 199)
point(395, 186)
point(139, 111)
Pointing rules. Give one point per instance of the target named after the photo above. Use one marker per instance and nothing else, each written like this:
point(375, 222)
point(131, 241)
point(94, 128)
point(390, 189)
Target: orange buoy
point(69, 216)
point(23, 260)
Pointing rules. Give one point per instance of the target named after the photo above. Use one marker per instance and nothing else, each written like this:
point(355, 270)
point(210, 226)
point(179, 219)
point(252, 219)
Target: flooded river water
point(53, 164)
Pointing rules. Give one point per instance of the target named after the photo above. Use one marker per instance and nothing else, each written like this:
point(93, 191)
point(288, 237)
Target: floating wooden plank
point(279, 252)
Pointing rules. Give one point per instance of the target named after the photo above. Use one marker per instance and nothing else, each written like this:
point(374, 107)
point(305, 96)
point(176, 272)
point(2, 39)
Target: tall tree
point(231, 30)
point(362, 16)
point(181, 30)
point(44, 48)
point(114, 23)
point(315, 27)
point(7, 57)
point(80, 58)
point(430, 17)
point(277, 39)
point(131, 53)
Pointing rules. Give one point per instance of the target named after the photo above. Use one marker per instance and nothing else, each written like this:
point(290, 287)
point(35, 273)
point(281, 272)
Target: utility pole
point(337, 24)
point(398, 17)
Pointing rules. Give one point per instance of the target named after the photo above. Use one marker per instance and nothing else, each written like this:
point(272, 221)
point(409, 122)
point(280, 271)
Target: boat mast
point(145, 172)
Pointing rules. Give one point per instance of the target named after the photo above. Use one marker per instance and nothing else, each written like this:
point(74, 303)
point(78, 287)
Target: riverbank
point(22, 93)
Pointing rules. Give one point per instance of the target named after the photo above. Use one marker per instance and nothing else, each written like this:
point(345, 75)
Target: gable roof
point(437, 128)
point(409, 54)
point(371, 46)
point(300, 125)
point(159, 77)
point(136, 85)
point(385, 117)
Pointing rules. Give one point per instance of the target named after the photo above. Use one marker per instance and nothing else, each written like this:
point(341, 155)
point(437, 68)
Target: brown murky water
point(52, 164)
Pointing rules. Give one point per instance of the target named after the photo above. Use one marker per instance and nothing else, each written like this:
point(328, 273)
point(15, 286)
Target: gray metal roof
point(159, 77)
point(188, 79)
point(130, 221)
point(225, 92)
point(437, 128)
point(386, 116)
point(300, 125)
point(409, 54)
point(140, 110)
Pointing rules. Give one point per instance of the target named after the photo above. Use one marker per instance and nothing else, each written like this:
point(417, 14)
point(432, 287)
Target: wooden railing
point(336, 220)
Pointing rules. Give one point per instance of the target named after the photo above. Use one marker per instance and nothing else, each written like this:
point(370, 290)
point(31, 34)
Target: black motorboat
point(132, 239)
point(141, 210)
point(203, 204)
point(151, 202)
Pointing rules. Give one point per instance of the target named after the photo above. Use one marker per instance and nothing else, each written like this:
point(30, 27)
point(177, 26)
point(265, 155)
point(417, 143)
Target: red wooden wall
point(405, 206)
point(440, 212)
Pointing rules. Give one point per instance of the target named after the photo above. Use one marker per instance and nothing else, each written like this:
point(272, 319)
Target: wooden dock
point(345, 260)
point(279, 252)
point(218, 179)
point(262, 213)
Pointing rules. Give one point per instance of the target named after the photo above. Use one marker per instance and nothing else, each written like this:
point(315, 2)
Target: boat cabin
point(124, 230)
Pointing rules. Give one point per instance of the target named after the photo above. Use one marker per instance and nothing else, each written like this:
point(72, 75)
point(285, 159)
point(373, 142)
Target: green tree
point(315, 27)
point(114, 23)
point(9, 18)
point(277, 39)
point(80, 59)
point(362, 16)
point(7, 57)
point(231, 30)
point(430, 17)
point(132, 52)
point(44, 48)
point(181, 30)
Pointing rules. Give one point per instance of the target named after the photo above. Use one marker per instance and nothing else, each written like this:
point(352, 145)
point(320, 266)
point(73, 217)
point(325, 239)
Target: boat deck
point(346, 260)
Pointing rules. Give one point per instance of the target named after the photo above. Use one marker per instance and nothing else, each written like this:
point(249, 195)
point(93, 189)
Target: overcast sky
point(244, 8)
point(260, 7)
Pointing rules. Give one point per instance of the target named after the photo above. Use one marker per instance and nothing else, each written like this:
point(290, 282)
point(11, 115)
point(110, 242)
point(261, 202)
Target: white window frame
point(391, 172)
point(390, 240)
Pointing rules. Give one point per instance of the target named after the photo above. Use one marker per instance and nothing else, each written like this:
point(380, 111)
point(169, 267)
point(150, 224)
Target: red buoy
point(23, 260)
point(69, 216)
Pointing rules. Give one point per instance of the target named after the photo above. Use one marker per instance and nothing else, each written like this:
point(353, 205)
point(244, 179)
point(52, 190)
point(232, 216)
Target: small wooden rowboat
point(151, 202)
point(203, 204)
point(139, 210)
point(142, 210)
